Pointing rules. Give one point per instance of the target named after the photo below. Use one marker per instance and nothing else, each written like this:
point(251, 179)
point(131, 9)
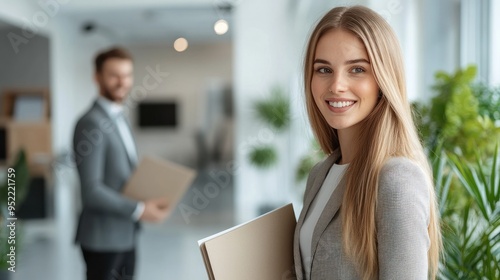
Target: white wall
point(191, 75)
point(263, 48)
point(73, 89)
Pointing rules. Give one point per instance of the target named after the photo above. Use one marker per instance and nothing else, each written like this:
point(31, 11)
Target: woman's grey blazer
point(402, 218)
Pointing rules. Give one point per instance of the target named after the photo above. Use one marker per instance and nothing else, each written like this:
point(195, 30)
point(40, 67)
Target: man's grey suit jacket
point(105, 223)
point(402, 218)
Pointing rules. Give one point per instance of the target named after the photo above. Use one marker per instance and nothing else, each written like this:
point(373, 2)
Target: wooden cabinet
point(25, 123)
point(33, 99)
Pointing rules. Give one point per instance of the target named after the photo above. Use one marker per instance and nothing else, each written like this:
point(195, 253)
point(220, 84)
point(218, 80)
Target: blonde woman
point(369, 208)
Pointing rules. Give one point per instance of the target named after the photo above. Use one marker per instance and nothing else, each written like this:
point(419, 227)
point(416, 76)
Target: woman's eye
point(357, 70)
point(323, 70)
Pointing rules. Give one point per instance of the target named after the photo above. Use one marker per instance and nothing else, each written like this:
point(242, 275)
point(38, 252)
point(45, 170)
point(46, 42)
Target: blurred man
point(106, 155)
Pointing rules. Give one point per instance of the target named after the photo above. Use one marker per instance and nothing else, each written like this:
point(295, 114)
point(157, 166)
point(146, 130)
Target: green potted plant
point(274, 114)
point(20, 181)
point(461, 117)
point(457, 128)
point(470, 218)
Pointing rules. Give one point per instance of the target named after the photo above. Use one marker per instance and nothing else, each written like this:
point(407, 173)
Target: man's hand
point(155, 210)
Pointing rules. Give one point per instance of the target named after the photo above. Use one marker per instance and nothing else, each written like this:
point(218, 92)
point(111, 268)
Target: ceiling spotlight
point(221, 26)
point(181, 44)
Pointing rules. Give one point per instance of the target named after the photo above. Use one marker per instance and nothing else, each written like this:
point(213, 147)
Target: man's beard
point(108, 95)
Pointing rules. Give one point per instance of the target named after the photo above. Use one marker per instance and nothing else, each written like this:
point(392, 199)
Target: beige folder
point(157, 178)
point(259, 249)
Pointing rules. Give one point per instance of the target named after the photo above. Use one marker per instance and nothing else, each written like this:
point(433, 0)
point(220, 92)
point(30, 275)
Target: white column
point(410, 41)
point(72, 83)
point(494, 60)
point(262, 44)
point(72, 90)
point(440, 45)
point(474, 33)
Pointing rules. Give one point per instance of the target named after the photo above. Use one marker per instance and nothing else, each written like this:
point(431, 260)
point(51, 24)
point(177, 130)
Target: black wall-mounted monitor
point(157, 114)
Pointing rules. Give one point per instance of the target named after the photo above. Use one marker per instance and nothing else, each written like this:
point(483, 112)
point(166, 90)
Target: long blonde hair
point(388, 131)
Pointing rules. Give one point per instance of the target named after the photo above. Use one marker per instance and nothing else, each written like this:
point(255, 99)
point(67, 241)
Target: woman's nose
point(338, 83)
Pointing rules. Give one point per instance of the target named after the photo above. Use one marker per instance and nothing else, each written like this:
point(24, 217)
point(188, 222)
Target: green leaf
point(22, 178)
point(275, 111)
point(461, 115)
point(263, 157)
point(471, 233)
point(469, 73)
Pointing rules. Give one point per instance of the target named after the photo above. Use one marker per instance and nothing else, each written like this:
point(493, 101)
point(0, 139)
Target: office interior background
point(47, 49)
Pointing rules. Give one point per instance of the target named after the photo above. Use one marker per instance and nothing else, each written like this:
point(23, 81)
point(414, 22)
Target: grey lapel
point(318, 181)
point(311, 194)
point(327, 215)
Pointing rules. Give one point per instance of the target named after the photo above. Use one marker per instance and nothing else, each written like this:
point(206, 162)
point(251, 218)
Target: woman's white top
point(317, 206)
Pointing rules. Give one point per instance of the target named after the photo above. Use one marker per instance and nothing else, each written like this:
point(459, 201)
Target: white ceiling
point(145, 24)
point(134, 21)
